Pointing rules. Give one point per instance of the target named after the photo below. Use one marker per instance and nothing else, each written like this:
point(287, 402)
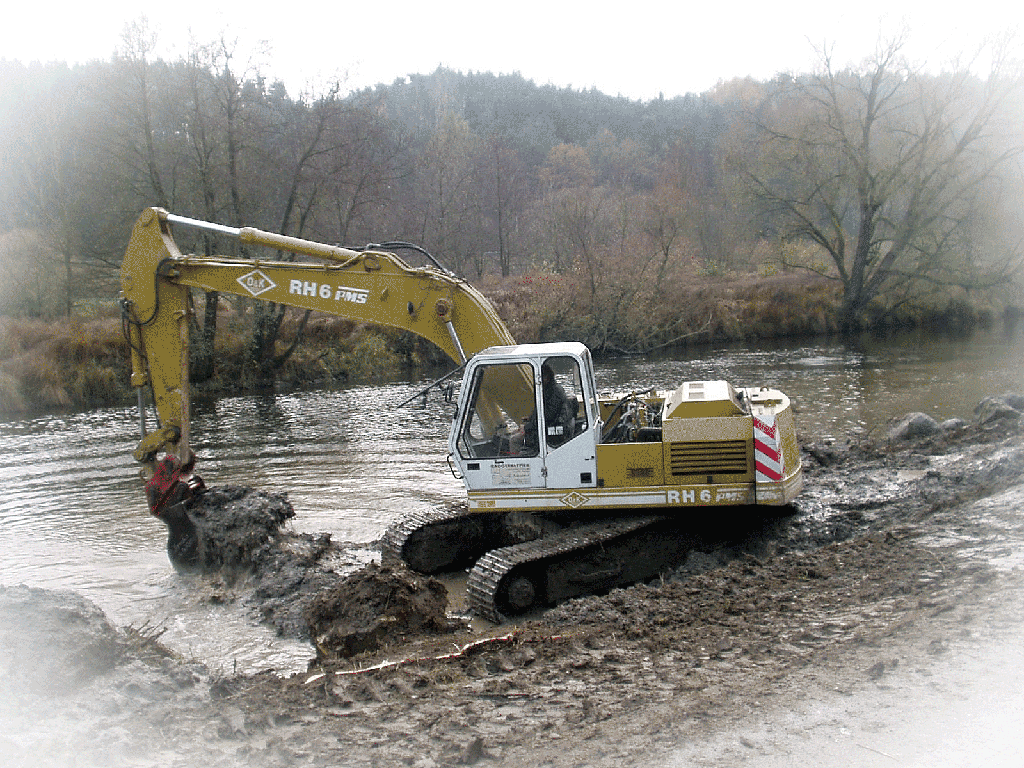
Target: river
point(72, 513)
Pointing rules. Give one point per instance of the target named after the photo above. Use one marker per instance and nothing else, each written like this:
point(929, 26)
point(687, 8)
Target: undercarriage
point(522, 561)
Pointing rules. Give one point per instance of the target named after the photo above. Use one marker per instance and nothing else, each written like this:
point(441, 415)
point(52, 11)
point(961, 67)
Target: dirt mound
point(374, 606)
point(302, 583)
point(53, 642)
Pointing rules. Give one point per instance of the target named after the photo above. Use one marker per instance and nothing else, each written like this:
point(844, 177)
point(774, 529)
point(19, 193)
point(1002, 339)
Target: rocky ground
point(901, 561)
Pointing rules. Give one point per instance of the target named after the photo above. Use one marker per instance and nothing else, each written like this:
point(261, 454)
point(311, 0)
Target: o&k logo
point(256, 282)
point(574, 499)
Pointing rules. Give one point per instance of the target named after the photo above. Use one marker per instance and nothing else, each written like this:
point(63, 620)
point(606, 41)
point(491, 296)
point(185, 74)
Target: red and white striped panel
point(767, 450)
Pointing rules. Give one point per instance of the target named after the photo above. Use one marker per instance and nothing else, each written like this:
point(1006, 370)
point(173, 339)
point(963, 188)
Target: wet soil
point(896, 575)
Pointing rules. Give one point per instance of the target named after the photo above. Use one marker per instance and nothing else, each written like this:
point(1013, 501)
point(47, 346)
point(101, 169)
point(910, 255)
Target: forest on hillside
point(880, 191)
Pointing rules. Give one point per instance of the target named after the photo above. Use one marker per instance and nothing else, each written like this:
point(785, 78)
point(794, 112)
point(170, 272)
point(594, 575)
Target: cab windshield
point(502, 396)
point(503, 419)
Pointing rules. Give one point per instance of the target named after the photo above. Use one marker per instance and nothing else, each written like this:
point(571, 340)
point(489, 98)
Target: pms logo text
point(326, 291)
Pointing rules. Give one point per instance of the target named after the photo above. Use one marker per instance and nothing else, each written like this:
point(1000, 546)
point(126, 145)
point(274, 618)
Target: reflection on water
point(348, 459)
point(72, 514)
point(844, 389)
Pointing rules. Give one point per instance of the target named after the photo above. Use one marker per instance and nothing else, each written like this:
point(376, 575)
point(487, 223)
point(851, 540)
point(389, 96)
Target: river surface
point(72, 513)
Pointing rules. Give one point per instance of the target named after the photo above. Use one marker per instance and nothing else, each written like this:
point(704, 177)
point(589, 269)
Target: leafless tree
point(889, 172)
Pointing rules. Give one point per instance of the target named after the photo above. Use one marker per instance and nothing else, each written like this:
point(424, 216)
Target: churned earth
point(877, 624)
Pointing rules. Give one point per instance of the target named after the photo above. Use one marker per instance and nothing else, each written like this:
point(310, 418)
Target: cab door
point(570, 437)
point(492, 444)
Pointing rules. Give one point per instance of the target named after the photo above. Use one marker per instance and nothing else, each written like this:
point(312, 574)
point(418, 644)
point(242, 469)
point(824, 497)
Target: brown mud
point(899, 563)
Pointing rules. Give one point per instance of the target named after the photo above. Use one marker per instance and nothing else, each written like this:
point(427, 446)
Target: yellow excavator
point(570, 491)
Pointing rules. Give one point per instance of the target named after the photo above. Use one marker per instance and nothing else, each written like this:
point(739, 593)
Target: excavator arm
point(371, 286)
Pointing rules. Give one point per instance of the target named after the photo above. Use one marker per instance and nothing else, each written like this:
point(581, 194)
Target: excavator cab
point(528, 418)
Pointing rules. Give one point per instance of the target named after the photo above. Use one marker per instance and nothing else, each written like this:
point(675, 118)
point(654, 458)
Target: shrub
point(11, 400)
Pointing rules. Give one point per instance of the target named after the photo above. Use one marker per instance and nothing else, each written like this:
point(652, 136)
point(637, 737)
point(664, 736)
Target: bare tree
point(325, 160)
point(207, 183)
point(136, 101)
point(301, 139)
point(58, 180)
point(503, 189)
point(888, 171)
point(450, 204)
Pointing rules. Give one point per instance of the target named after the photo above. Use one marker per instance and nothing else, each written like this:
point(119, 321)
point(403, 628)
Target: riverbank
point(81, 363)
point(900, 574)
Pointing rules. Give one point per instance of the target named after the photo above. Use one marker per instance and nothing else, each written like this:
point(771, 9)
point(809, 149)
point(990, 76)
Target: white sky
point(637, 49)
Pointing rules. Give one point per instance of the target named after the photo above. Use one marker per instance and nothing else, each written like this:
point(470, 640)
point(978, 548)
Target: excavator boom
point(372, 286)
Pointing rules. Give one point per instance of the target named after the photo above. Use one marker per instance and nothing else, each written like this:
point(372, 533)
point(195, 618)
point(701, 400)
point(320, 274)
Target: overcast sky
point(637, 49)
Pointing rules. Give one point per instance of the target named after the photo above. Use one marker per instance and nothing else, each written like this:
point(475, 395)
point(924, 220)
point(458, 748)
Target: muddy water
point(72, 514)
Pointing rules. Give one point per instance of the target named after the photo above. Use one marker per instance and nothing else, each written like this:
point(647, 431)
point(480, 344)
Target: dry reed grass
point(85, 363)
point(59, 365)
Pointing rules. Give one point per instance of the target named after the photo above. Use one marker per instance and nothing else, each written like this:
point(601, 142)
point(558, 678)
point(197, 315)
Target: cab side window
point(565, 415)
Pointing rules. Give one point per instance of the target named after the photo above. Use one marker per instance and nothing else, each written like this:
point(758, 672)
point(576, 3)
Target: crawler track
point(442, 539)
point(585, 559)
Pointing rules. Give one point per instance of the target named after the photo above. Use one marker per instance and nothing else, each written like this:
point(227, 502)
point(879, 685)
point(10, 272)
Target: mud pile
point(992, 417)
point(232, 525)
point(376, 606)
point(302, 584)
